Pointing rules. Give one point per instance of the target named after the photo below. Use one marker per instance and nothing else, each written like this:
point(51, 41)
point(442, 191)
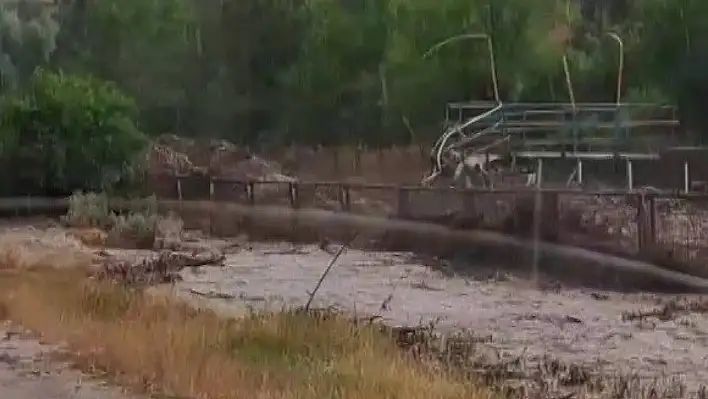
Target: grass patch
point(156, 343)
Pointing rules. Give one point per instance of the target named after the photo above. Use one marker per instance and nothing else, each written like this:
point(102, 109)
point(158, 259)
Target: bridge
point(529, 134)
point(477, 134)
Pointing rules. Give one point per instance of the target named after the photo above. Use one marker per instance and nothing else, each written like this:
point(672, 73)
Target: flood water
point(575, 326)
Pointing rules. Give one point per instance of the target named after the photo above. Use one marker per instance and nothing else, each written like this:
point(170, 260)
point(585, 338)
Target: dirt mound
point(217, 158)
point(162, 159)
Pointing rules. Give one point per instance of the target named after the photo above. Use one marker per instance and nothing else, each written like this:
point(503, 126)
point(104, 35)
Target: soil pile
point(216, 158)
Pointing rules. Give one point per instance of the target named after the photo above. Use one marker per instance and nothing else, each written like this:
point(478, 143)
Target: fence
point(664, 228)
point(661, 227)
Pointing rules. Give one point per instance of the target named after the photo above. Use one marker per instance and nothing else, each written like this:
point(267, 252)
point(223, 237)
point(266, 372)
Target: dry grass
point(31, 249)
point(155, 343)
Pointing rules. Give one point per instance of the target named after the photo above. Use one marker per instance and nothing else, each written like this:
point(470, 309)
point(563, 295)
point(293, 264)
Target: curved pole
point(568, 81)
point(620, 67)
point(566, 67)
point(490, 48)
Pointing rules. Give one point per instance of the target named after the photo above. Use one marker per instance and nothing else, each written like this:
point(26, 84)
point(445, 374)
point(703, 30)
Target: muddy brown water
point(572, 265)
point(576, 326)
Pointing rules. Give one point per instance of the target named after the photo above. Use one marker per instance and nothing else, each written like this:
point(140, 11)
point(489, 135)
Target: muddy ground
point(30, 369)
point(517, 320)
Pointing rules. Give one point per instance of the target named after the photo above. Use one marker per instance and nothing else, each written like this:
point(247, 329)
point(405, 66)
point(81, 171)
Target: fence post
point(344, 199)
point(335, 161)
point(297, 160)
point(211, 206)
point(357, 159)
point(293, 194)
point(250, 188)
point(403, 203)
point(641, 223)
point(652, 220)
point(646, 223)
point(293, 199)
point(379, 159)
point(178, 181)
point(179, 192)
point(469, 203)
point(550, 219)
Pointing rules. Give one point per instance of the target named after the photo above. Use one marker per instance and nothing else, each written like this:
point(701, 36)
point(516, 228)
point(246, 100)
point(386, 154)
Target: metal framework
point(478, 134)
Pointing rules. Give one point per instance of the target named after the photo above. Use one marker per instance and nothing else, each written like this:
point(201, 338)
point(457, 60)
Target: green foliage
point(144, 45)
point(27, 39)
point(326, 71)
point(64, 133)
point(265, 72)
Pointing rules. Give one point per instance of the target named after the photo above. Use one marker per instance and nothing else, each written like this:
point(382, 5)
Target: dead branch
point(211, 294)
point(326, 272)
point(163, 268)
point(669, 310)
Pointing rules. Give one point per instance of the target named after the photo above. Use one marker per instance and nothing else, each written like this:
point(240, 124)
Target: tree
point(143, 45)
point(64, 133)
point(27, 39)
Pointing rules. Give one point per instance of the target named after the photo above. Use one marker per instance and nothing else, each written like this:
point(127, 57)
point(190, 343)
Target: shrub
point(64, 133)
point(133, 230)
point(136, 228)
point(87, 210)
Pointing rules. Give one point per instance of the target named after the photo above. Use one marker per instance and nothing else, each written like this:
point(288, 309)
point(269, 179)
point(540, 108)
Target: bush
point(88, 210)
point(65, 133)
point(136, 228)
point(133, 230)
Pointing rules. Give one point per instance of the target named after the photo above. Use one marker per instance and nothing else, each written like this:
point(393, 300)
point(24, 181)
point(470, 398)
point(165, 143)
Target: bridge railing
point(637, 123)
